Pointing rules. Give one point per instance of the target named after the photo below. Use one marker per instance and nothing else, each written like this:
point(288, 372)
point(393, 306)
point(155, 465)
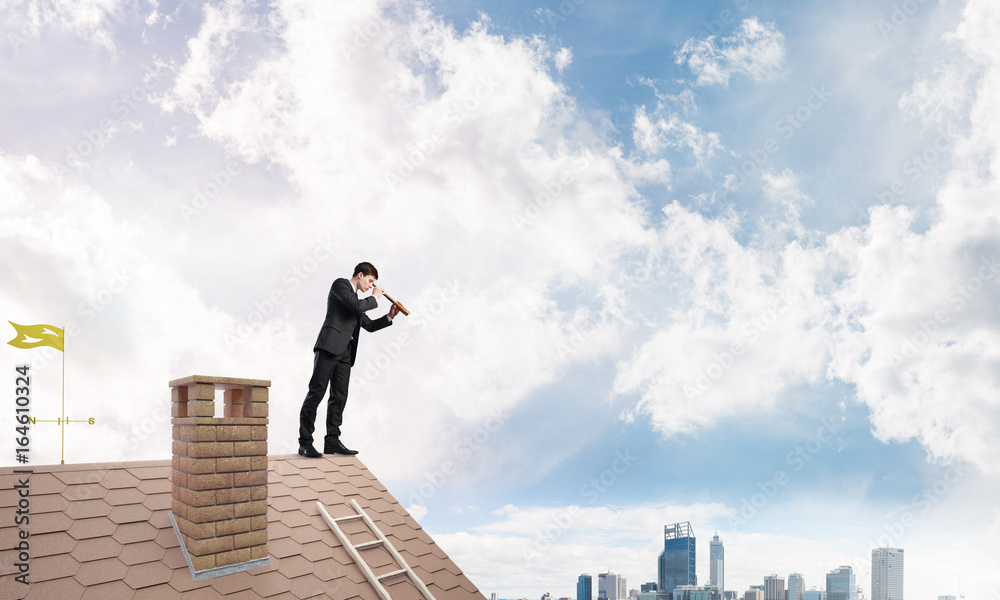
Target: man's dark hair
point(366, 269)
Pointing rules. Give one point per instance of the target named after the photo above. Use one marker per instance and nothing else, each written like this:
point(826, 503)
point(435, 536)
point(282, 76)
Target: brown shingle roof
point(102, 531)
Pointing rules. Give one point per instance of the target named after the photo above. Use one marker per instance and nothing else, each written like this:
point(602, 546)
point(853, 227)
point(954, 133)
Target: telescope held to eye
point(401, 308)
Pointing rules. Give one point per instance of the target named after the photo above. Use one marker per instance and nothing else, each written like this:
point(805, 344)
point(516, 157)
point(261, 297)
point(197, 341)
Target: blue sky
point(729, 262)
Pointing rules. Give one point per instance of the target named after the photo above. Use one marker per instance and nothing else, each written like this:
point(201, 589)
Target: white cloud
point(919, 337)
point(417, 511)
point(783, 190)
point(651, 171)
point(653, 136)
point(782, 187)
point(938, 98)
point(683, 101)
point(563, 58)
point(208, 52)
point(89, 20)
point(756, 49)
point(901, 313)
point(744, 325)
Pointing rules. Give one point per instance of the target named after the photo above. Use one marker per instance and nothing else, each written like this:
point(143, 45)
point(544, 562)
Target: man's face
point(367, 281)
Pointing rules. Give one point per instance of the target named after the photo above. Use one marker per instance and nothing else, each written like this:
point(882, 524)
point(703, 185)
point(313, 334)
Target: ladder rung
point(352, 550)
point(348, 518)
point(391, 573)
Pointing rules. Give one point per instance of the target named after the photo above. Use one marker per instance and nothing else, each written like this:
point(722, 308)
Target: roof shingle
point(101, 531)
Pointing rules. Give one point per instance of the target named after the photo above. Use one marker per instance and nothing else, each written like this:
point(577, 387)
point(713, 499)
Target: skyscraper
point(609, 586)
point(585, 587)
point(677, 561)
point(614, 586)
point(887, 574)
point(840, 584)
point(716, 564)
point(774, 587)
point(796, 586)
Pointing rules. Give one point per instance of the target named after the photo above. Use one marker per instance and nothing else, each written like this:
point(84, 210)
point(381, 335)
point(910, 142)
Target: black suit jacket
point(345, 316)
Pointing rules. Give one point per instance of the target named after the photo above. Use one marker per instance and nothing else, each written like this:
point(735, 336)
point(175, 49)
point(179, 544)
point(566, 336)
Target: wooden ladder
point(352, 549)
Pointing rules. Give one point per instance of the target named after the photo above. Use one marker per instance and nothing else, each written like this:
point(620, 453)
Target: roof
point(102, 531)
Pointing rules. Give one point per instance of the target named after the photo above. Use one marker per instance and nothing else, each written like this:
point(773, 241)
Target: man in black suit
point(335, 350)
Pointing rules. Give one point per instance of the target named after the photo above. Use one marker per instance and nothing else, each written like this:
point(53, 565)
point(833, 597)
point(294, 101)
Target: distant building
point(622, 588)
point(774, 587)
point(677, 561)
point(947, 598)
point(717, 563)
point(648, 587)
point(796, 587)
point(633, 594)
point(814, 594)
point(756, 592)
point(696, 592)
point(840, 584)
point(729, 595)
point(887, 574)
point(585, 587)
point(610, 586)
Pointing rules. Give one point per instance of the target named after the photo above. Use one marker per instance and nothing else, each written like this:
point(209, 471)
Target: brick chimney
point(219, 475)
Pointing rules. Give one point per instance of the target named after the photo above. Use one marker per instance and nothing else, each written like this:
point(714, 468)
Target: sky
point(731, 262)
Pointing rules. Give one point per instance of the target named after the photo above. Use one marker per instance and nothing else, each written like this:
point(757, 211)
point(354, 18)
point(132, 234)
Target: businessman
point(334, 354)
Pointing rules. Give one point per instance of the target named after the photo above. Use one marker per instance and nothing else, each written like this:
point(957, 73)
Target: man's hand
point(393, 311)
point(377, 291)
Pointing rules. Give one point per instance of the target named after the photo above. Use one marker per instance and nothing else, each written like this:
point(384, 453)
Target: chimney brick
point(234, 526)
point(219, 478)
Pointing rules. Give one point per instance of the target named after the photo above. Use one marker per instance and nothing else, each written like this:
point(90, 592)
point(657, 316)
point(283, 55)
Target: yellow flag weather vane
point(34, 336)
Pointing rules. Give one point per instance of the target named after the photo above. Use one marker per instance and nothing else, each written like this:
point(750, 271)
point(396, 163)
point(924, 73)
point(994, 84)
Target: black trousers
point(333, 371)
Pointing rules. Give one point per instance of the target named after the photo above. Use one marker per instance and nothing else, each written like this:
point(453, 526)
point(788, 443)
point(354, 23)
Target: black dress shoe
point(309, 452)
point(338, 448)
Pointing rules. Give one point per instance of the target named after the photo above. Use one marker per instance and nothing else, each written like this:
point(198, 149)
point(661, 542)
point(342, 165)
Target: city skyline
point(887, 573)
